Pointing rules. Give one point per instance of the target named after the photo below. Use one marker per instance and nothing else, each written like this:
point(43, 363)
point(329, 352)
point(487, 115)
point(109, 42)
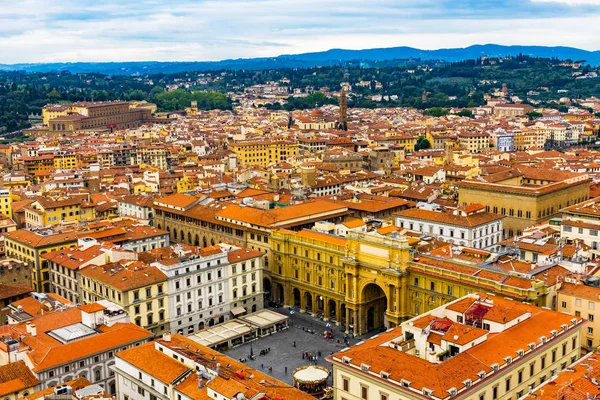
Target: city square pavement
point(283, 354)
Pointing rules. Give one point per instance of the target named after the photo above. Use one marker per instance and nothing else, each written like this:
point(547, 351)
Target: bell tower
point(343, 112)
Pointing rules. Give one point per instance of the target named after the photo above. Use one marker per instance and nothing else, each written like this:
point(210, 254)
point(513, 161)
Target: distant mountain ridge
point(305, 60)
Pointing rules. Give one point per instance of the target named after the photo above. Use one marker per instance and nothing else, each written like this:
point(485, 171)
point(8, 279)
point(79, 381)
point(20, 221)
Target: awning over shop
point(238, 311)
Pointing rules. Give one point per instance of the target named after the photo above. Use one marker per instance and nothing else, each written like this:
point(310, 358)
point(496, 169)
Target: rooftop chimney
point(200, 385)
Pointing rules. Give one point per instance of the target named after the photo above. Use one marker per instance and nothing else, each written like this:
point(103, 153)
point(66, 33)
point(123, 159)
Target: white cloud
point(571, 2)
point(113, 30)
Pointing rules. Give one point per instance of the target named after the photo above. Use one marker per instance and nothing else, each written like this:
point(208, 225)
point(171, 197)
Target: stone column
point(302, 301)
point(313, 304)
point(348, 318)
point(287, 301)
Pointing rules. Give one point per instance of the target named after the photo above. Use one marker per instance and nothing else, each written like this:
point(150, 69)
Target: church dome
point(316, 113)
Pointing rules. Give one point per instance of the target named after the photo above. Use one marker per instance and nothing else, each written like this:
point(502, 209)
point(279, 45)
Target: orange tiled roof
point(453, 372)
point(33, 239)
point(124, 275)
point(580, 290)
point(15, 377)
point(237, 374)
point(471, 220)
point(76, 384)
point(154, 363)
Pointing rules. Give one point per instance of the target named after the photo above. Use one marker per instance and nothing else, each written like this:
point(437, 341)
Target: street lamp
point(251, 350)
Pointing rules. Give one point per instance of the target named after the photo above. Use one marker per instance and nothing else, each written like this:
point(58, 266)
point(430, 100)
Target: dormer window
point(520, 352)
point(405, 383)
point(574, 321)
point(467, 383)
point(481, 374)
point(543, 339)
point(553, 333)
point(427, 392)
point(384, 374)
point(346, 360)
point(507, 360)
point(564, 327)
point(495, 367)
point(452, 392)
point(365, 367)
point(532, 346)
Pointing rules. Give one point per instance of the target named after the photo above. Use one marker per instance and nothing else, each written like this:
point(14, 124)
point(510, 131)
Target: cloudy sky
point(137, 30)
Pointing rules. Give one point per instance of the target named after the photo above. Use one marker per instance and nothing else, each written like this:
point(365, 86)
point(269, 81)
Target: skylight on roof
point(73, 332)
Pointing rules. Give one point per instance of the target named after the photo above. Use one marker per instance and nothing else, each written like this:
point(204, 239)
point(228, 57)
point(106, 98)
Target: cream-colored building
point(474, 142)
point(577, 299)
point(480, 347)
point(89, 116)
point(581, 222)
point(140, 289)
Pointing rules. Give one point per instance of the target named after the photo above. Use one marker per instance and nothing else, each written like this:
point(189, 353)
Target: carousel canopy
point(311, 374)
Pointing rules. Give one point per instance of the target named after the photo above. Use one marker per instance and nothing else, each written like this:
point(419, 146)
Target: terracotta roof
point(47, 352)
point(243, 254)
point(73, 258)
point(91, 308)
point(234, 375)
point(279, 216)
point(153, 362)
point(353, 223)
point(307, 233)
point(471, 220)
point(177, 200)
point(36, 240)
point(15, 377)
point(76, 384)
point(453, 372)
point(580, 290)
point(577, 382)
point(35, 308)
point(124, 275)
point(462, 334)
point(8, 291)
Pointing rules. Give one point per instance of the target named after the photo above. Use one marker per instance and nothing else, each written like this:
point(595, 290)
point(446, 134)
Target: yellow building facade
point(46, 211)
point(365, 282)
point(264, 153)
point(524, 199)
point(65, 161)
point(579, 300)
point(6, 202)
point(28, 246)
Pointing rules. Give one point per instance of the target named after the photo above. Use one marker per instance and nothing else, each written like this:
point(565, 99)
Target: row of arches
point(370, 315)
point(179, 235)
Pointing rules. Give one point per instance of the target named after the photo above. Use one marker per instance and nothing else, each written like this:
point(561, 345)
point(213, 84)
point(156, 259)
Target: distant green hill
point(324, 58)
